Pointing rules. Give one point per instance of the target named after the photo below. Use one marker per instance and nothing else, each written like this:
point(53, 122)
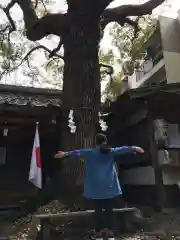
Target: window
point(2, 156)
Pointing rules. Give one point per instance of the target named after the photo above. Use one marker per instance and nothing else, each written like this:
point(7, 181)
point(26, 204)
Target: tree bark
point(81, 90)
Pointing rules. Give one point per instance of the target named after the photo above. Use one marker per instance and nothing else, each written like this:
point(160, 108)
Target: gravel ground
point(155, 226)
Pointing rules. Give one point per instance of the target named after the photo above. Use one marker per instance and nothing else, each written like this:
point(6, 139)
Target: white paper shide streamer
point(102, 123)
point(71, 123)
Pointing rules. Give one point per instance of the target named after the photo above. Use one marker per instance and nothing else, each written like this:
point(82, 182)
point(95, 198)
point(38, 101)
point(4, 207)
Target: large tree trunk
point(81, 91)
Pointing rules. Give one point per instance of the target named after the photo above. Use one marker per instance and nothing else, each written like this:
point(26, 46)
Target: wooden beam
point(30, 90)
point(160, 190)
point(45, 219)
point(24, 120)
point(80, 213)
point(45, 229)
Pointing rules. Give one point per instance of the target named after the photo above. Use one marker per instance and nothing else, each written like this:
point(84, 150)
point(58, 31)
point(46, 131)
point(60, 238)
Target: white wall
point(132, 81)
point(156, 74)
point(172, 61)
point(171, 175)
point(145, 176)
point(170, 36)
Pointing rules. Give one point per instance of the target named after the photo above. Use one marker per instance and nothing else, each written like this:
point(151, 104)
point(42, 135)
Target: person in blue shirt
point(101, 183)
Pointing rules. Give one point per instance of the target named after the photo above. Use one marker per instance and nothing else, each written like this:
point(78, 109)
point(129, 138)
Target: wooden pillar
point(45, 229)
point(160, 190)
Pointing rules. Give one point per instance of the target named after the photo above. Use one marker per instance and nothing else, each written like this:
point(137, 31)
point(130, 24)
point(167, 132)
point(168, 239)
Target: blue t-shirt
point(101, 178)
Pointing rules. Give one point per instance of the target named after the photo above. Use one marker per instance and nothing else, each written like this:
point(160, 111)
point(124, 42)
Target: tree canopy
point(125, 53)
point(39, 22)
point(79, 30)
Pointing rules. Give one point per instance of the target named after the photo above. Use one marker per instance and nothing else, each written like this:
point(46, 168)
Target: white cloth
point(35, 174)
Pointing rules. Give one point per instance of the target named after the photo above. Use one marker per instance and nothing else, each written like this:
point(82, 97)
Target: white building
point(160, 63)
point(159, 71)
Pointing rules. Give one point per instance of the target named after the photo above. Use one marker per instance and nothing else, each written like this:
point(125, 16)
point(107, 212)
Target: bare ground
point(153, 226)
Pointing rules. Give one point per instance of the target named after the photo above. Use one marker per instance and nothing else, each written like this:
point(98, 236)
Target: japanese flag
point(35, 174)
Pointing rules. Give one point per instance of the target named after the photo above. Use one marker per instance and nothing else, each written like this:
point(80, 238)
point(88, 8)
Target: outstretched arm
point(127, 149)
point(74, 153)
point(61, 154)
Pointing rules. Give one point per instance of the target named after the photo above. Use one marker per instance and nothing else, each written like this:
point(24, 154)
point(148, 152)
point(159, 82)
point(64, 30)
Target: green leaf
point(128, 50)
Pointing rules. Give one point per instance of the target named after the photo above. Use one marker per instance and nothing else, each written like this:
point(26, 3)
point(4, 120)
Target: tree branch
point(102, 65)
point(36, 28)
point(42, 2)
point(36, 3)
point(30, 17)
point(25, 58)
point(109, 69)
point(7, 12)
point(47, 25)
point(53, 52)
point(103, 4)
point(120, 14)
point(41, 47)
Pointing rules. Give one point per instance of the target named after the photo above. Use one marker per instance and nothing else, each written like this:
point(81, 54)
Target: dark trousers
point(103, 216)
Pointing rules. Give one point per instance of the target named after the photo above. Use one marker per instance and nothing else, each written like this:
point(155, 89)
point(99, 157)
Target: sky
point(168, 9)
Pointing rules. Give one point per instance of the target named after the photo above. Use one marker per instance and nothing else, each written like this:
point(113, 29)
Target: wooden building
point(146, 179)
point(152, 179)
point(20, 109)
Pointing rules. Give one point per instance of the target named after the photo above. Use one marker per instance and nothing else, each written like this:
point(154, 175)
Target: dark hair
point(101, 141)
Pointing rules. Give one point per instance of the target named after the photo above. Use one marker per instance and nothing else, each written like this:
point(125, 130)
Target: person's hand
point(139, 149)
point(60, 154)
